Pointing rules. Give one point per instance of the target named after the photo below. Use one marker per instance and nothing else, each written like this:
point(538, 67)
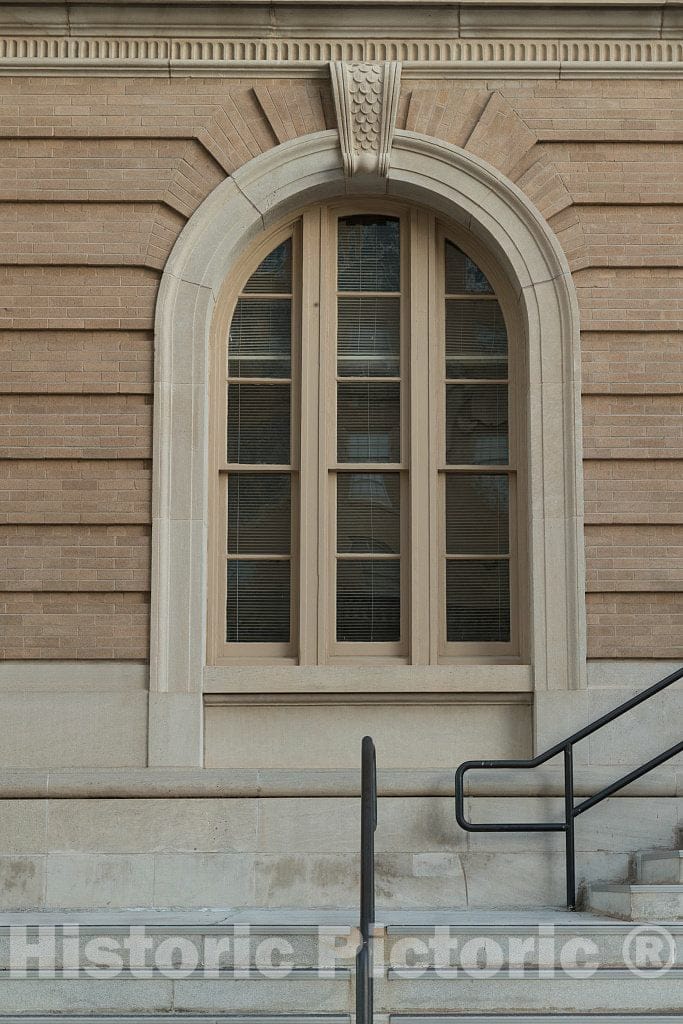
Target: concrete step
point(295, 994)
point(619, 993)
point(185, 1018)
point(196, 941)
point(561, 1018)
point(637, 901)
point(177, 945)
point(607, 942)
point(661, 867)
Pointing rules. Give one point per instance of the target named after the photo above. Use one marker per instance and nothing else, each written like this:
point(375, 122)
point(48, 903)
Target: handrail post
point(368, 824)
point(570, 846)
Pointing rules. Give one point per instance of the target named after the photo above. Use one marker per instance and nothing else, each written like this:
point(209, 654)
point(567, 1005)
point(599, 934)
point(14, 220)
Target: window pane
point(368, 337)
point(478, 601)
point(260, 338)
point(258, 602)
point(476, 339)
point(368, 425)
point(368, 513)
point(259, 514)
point(368, 601)
point(476, 514)
point(368, 249)
point(258, 423)
point(462, 275)
point(275, 272)
point(476, 424)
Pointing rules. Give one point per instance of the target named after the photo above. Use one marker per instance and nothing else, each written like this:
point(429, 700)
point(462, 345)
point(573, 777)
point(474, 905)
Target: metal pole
point(368, 824)
point(570, 852)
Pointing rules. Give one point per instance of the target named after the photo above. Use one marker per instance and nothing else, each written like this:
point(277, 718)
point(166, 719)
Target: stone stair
point(429, 967)
point(190, 967)
point(520, 966)
point(655, 894)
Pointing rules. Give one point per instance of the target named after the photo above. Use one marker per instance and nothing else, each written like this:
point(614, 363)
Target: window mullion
point(418, 404)
point(308, 289)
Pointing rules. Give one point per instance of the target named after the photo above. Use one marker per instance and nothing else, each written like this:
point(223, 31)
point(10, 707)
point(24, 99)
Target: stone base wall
point(303, 852)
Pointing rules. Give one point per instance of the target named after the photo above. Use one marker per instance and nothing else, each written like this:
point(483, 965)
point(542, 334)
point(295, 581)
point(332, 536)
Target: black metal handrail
point(368, 825)
point(571, 810)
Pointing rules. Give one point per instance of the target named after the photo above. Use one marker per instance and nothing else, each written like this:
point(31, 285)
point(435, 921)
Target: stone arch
point(469, 192)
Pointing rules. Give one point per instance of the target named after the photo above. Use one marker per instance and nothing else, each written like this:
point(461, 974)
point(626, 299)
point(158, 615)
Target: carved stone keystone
point(366, 101)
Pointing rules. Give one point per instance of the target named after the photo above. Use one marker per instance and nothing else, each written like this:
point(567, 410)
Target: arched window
point(366, 482)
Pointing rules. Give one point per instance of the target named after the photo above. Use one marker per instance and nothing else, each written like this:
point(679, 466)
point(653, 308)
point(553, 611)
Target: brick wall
point(98, 177)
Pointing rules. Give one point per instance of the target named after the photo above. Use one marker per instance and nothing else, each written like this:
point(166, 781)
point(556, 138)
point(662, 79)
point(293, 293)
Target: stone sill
point(180, 783)
point(365, 683)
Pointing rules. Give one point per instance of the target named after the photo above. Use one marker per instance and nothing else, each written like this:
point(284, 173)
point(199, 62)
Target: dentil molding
point(366, 101)
point(288, 56)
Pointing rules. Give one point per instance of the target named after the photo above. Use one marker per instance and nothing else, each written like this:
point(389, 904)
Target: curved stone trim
point(443, 56)
point(469, 192)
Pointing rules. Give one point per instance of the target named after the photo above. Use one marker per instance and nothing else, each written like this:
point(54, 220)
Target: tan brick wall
point(74, 625)
point(91, 298)
point(632, 236)
point(627, 299)
point(140, 234)
point(641, 558)
point(625, 171)
point(591, 110)
point(179, 172)
point(72, 557)
point(633, 491)
point(640, 363)
point(636, 426)
point(70, 361)
point(97, 178)
point(640, 625)
point(75, 491)
point(87, 426)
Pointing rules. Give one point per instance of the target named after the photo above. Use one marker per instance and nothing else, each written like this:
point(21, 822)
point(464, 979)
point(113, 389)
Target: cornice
point(298, 57)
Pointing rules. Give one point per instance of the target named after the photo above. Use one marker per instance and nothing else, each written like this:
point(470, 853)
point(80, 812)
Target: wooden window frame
point(313, 416)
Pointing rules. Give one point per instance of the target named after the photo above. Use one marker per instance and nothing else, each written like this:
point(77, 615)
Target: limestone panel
point(153, 826)
point(205, 879)
point(103, 881)
point(60, 729)
point(643, 733)
point(22, 882)
point(326, 737)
